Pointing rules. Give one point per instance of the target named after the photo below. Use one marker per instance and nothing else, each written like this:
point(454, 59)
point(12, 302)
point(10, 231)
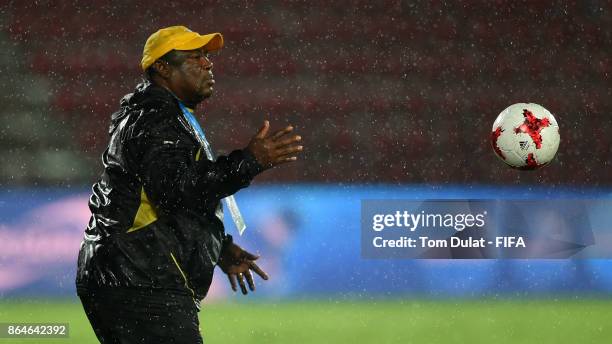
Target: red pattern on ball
point(532, 126)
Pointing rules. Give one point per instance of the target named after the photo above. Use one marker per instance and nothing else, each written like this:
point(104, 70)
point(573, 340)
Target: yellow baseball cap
point(177, 38)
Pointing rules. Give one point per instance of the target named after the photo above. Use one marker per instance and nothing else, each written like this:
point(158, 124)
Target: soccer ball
point(525, 136)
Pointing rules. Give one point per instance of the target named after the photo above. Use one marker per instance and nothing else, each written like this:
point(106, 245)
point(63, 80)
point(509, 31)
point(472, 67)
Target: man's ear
point(162, 68)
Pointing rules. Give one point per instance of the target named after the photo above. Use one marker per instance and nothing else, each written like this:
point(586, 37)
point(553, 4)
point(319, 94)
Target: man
point(156, 231)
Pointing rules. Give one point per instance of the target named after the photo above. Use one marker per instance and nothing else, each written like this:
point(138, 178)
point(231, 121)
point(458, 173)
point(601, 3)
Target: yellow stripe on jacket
point(145, 215)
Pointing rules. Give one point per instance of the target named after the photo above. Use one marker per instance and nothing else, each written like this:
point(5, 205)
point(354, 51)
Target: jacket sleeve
point(165, 158)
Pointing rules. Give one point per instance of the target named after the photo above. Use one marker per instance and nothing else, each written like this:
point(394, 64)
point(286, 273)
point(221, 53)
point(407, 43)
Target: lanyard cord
point(230, 201)
point(198, 129)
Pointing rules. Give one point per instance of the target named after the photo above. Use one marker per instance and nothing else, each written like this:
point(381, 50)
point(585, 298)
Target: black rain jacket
point(156, 217)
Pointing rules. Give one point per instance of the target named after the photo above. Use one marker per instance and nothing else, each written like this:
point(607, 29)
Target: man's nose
point(207, 62)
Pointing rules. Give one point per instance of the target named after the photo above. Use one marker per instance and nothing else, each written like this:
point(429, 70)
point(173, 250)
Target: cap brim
point(212, 42)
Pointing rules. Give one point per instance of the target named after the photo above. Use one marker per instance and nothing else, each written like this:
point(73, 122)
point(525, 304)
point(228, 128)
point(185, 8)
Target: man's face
point(192, 80)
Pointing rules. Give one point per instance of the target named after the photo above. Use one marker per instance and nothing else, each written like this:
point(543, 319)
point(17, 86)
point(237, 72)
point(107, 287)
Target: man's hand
point(275, 149)
point(237, 264)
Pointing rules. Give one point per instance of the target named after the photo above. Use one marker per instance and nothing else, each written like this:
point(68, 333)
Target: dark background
point(383, 92)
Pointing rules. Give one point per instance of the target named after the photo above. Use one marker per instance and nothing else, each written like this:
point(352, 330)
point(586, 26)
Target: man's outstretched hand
point(237, 264)
point(275, 149)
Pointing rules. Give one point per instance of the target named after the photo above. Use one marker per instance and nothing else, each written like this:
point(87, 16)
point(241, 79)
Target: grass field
point(410, 321)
